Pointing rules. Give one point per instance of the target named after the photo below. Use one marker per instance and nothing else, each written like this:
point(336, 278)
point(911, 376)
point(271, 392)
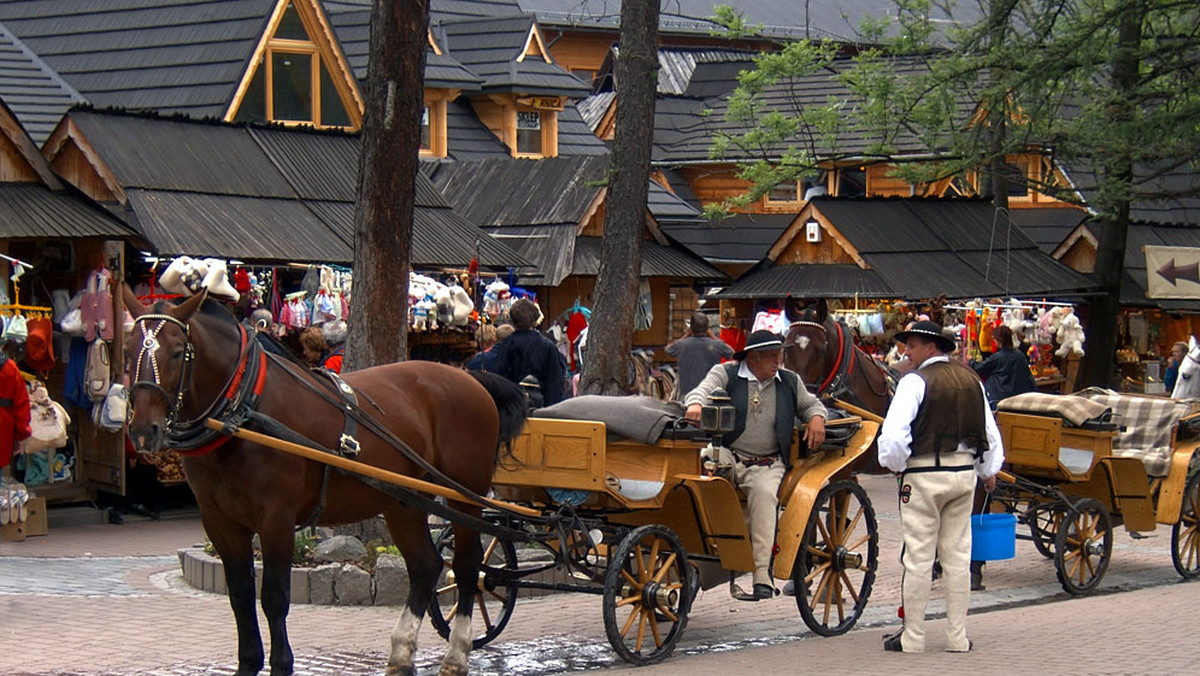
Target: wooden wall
point(825, 252)
point(575, 52)
point(72, 165)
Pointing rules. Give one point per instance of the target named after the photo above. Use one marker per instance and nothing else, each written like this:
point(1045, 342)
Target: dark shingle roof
point(552, 191)
point(1048, 227)
point(828, 281)
point(1176, 194)
point(684, 129)
point(574, 135)
point(352, 24)
point(296, 201)
point(170, 56)
point(34, 210)
point(778, 18)
point(592, 108)
point(680, 69)
point(923, 248)
point(741, 238)
point(657, 261)
point(467, 137)
point(33, 91)
point(491, 47)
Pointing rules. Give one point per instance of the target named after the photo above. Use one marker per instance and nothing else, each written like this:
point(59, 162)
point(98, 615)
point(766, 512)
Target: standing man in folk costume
point(939, 435)
point(767, 399)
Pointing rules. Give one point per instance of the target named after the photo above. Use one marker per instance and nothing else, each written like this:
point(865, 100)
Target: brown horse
point(194, 361)
point(823, 352)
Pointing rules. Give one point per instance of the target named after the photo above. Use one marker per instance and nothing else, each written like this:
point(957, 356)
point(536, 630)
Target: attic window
point(425, 135)
point(529, 132)
point(291, 82)
point(852, 182)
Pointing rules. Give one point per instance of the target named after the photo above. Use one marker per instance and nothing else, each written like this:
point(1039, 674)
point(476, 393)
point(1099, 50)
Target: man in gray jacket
point(766, 399)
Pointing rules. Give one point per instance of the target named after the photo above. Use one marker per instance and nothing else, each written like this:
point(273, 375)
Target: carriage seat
point(1146, 425)
point(638, 418)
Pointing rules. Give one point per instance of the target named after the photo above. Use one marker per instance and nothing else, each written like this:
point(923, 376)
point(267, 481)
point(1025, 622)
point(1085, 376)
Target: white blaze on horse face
point(802, 342)
point(1187, 386)
point(404, 642)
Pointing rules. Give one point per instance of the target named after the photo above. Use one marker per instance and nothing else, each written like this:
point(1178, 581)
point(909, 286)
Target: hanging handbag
point(97, 373)
point(112, 413)
point(47, 419)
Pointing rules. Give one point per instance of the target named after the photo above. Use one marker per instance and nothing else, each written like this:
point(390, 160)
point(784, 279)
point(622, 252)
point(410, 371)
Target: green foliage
point(305, 544)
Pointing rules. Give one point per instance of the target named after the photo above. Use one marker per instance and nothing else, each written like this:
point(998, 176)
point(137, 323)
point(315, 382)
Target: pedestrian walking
point(938, 435)
point(696, 352)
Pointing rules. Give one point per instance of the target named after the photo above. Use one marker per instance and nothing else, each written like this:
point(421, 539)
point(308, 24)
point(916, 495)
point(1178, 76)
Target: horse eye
point(177, 356)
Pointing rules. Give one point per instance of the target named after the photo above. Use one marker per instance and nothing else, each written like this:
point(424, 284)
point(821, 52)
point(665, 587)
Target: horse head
point(1187, 385)
point(807, 344)
point(158, 355)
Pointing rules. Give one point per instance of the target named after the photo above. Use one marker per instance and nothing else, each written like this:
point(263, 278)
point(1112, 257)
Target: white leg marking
point(404, 640)
point(455, 661)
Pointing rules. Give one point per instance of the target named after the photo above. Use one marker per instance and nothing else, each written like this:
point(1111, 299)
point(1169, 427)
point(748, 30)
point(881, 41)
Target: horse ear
point(135, 307)
point(185, 310)
point(822, 311)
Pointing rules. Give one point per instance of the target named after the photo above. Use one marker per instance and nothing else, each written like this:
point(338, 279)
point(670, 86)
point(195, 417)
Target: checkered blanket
point(1076, 410)
point(1146, 424)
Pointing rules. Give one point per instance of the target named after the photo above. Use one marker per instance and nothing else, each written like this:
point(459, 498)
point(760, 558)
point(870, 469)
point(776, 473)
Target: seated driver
point(766, 400)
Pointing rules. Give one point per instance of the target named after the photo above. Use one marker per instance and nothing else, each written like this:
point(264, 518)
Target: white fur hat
point(334, 331)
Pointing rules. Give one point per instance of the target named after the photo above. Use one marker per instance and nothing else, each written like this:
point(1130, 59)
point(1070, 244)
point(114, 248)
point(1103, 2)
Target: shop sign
point(1172, 272)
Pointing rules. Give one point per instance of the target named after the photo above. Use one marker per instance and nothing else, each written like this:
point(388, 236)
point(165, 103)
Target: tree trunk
point(1118, 171)
point(383, 214)
point(606, 370)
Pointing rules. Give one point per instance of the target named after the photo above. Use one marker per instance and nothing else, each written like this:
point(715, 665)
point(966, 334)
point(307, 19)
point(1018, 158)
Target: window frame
point(548, 119)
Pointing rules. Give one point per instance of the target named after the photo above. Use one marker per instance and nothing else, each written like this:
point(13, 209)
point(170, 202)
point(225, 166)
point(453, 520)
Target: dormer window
point(529, 132)
point(292, 82)
point(425, 135)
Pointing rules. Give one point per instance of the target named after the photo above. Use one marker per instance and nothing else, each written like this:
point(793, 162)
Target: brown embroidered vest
point(951, 413)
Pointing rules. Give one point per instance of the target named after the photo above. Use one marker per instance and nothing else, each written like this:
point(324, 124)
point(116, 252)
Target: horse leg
point(234, 544)
point(467, 559)
point(278, 545)
point(411, 535)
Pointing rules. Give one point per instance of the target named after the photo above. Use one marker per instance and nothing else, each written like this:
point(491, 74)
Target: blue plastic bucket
point(993, 537)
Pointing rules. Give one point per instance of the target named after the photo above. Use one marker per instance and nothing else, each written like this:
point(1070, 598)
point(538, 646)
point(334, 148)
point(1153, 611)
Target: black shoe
point(114, 517)
point(789, 588)
point(763, 591)
point(937, 569)
point(977, 576)
point(891, 643)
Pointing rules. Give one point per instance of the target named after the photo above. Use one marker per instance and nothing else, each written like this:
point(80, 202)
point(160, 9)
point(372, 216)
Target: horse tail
point(510, 404)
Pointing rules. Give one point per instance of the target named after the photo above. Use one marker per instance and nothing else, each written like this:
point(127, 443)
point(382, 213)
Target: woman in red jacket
point(14, 409)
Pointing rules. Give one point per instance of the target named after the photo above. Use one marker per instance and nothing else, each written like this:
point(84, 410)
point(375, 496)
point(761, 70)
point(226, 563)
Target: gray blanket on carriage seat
point(635, 417)
point(1075, 409)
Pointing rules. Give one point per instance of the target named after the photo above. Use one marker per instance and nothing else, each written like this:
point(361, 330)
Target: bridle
point(837, 381)
point(149, 355)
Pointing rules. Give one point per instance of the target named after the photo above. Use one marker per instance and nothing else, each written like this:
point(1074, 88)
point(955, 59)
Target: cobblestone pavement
point(77, 604)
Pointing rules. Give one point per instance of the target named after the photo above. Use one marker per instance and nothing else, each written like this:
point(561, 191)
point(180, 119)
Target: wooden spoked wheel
point(1083, 546)
point(495, 597)
point(1044, 520)
point(1185, 535)
point(647, 595)
point(835, 567)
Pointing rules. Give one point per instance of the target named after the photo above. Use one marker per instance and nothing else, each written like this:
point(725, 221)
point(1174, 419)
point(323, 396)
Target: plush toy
point(496, 298)
point(1070, 335)
point(1044, 333)
point(457, 305)
point(425, 315)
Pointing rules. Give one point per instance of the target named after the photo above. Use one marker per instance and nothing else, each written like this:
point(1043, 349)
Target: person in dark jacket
point(1178, 353)
point(528, 353)
point(696, 354)
point(1006, 372)
point(488, 337)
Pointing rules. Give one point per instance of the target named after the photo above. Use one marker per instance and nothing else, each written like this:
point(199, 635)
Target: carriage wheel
point(496, 595)
point(1044, 520)
point(1185, 535)
point(1083, 546)
point(835, 567)
point(647, 595)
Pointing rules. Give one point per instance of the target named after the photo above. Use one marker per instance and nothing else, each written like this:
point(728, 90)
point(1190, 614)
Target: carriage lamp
point(717, 417)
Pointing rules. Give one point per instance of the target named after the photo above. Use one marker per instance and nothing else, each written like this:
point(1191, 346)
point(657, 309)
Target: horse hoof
point(400, 671)
point(452, 670)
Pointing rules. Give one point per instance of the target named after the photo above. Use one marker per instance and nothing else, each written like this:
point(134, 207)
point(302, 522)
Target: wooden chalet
point(62, 235)
point(552, 212)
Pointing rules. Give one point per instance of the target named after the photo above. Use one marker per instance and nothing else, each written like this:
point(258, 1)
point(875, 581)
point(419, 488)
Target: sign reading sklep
point(1172, 272)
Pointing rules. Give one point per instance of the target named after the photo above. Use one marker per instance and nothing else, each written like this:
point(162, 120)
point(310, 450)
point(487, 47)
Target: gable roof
point(36, 204)
point(352, 23)
point(917, 248)
point(685, 128)
point(35, 94)
point(261, 193)
point(778, 18)
point(171, 56)
point(739, 239)
point(495, 49)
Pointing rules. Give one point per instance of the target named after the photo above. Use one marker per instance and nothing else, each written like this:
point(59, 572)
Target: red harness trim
point(837, 364)
point(229, 394)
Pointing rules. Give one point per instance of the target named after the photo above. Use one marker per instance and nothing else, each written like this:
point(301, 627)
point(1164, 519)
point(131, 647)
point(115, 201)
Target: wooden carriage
point(645, 526)
point(1072, 484)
